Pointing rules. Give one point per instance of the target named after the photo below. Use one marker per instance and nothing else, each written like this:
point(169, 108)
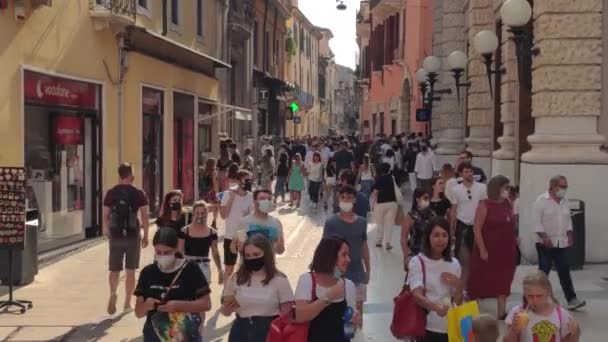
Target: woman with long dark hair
point(366, 175)
point(257, 292)
point(439, 286)
point(323, 295)
point(172, 213)
point(414, 224)
point(439, 203)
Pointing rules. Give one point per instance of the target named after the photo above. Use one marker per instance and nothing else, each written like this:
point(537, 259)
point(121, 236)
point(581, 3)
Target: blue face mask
point(337, 273)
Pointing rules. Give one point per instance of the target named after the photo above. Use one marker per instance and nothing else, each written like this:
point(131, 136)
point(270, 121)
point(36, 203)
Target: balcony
point(110, 13)
point(385, 7)
point(305, 100)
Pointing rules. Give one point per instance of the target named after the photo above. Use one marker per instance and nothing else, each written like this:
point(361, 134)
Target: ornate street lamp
point(341, 5)
point(457, 61)
point(486, 43)
point(517, 14)
point(422, 78)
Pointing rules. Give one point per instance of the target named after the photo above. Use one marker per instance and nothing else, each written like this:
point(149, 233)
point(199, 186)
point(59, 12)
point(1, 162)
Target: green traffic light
point(294, 107)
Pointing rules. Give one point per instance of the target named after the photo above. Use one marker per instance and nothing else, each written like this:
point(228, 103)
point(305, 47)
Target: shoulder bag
point(409, 318)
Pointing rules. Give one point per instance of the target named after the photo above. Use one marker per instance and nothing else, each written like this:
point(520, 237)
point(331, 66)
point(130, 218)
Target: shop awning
point(240, 113)
point(160, 47)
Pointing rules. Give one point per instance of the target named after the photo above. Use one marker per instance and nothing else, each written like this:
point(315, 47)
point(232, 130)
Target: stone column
point(438, 108)
point(503, 159)
point(452, 119)
point(566, 103)
point(480, 107)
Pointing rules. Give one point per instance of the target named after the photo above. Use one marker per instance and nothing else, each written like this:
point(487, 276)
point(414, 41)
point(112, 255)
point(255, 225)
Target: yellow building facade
point(88, 84)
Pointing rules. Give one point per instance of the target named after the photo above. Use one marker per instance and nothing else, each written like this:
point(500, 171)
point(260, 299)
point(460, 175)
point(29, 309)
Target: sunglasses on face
point(469, 194)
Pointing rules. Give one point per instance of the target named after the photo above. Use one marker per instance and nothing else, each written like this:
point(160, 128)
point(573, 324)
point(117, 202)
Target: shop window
point(255, 44)
point(204, 128)
point(144, 7)
point(175, 12)
point(152, 146)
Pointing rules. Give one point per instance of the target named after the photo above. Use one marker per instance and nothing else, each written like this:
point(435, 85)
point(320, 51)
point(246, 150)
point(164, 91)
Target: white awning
point(239, 113)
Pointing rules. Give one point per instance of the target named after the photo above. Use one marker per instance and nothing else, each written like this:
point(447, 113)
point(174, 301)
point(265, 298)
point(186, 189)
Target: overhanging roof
point(158, 46)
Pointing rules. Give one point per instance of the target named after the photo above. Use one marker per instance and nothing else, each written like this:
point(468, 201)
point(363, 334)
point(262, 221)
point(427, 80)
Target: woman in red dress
point(493, 259)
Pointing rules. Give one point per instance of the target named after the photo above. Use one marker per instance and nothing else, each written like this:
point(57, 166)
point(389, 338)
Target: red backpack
point(286, 329)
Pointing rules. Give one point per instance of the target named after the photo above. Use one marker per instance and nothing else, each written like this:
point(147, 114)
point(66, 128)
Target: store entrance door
point(183, 145)
point(152, 148)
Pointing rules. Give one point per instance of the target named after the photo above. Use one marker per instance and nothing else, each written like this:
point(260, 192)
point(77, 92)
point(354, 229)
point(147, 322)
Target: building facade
point(269, 33)
point(326, 72)
point(393, 37)
point(87, 85)
point(542, 113)
point(301, 68)
point(344, 109)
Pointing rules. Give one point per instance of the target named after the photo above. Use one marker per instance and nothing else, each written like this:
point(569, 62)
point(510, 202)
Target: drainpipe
point(121, 70)
point(164, 33)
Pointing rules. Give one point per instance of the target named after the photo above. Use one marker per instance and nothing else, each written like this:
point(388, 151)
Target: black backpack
point(123, 217)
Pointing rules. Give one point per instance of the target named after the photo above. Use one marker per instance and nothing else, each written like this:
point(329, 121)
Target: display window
point(152, 149)
point(62, 146)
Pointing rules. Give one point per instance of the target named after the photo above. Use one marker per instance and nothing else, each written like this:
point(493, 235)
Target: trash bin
point(25, 262)
point(577, 252)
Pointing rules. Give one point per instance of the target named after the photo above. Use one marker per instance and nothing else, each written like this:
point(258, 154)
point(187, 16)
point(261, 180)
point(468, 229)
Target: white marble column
point(480, 107)
point(566, 103)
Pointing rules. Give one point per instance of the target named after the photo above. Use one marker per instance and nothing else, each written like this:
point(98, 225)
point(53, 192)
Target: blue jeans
point(559, 256)
point(254, 329)
point(366, 186)
point(279, 187)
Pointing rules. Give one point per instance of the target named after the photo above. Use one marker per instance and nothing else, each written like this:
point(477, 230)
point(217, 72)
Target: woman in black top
point(197, 239)
point(172, 212)
point(386, 206)
point(171, 286)
point(280, 187)
point(413, 224)
point(439, 203)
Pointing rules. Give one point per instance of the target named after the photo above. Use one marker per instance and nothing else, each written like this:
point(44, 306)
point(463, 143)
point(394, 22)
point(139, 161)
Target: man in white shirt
point(425, 167)
point(554, 235)
point(466, 197)
point(236, 204)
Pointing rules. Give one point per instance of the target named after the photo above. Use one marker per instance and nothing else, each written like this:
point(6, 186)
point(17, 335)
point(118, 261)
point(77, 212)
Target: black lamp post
point(517, 14)
point(457, 61)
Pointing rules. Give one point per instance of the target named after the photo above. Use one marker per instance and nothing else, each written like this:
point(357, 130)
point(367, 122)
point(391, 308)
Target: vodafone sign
point(48, 90)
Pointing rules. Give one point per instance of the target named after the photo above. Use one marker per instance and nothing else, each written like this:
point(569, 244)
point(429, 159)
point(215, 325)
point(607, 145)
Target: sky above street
point(341, 23)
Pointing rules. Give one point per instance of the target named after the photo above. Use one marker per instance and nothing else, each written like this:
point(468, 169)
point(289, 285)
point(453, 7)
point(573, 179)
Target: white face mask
point(164, 261)
point(504, 194)
point(346, 207)
point(265, 206)
point(423, 204)
point(561, 193)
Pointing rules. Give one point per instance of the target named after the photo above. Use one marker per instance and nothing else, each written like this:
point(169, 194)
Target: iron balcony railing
point(126, 8)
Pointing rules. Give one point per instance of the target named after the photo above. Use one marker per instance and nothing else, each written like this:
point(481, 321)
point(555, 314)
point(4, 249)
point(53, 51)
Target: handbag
point(286, 329)
point(409, 318)
point(398, 194)
point(176, 326)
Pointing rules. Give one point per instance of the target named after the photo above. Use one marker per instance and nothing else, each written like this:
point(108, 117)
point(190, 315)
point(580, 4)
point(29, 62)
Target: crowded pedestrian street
point(70, 293)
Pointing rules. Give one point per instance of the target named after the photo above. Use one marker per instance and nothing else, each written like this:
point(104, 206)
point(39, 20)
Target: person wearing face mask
point(171, 285)
point(554, 235)
point(261, 222)
point(172, 211)
point(353, 228)
point(493, 258)
point(323, 294)
point(414, 223)
point(197, 239)
point(257, 293)
point(236, 205)
point(411, 154)
point(425, 166)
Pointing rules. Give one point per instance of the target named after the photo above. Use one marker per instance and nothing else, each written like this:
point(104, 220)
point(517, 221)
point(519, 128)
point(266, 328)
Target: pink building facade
point(394, 37)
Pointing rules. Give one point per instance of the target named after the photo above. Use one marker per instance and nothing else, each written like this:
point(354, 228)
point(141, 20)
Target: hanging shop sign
point(41, 89)
point(12, 207)
point(68, 130)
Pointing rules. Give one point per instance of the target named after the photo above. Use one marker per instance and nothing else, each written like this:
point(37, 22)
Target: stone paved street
point(70, 295)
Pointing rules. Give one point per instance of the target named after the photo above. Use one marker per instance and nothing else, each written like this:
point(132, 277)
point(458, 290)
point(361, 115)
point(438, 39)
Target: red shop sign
point(49, 90)
point(68, 130)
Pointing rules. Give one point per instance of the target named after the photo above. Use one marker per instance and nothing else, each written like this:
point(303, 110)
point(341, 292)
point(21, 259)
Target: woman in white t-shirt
point(540, 318)
point(442, 287)
point(314, 171)
point(257, 293)
point(323, 295)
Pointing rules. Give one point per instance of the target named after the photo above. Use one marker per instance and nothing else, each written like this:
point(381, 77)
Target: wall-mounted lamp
point(486, 43)
point(517, 14)
point(457, 61)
